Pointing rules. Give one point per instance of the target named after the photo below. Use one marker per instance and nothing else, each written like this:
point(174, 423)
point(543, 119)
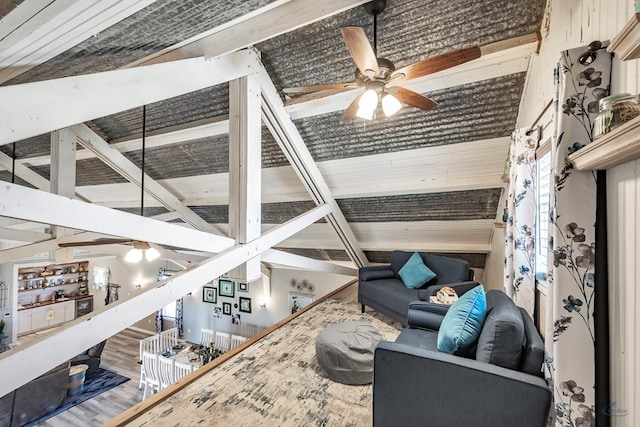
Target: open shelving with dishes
point(53, 275)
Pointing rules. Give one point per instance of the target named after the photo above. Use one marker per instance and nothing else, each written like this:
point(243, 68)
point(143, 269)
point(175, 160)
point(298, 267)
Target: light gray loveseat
point(381, 288)
point(498, 383)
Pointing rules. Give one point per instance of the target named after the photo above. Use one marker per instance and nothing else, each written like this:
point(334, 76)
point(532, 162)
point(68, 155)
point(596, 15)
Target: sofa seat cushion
point(463, 322)
point(414, 273)
point(392, 294)
point(503, 337)
point(420, 338)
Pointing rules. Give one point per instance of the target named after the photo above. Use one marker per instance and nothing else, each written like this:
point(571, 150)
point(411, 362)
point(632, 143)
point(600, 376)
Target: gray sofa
point(36, 398)
point(497, 383)
point(381, 288)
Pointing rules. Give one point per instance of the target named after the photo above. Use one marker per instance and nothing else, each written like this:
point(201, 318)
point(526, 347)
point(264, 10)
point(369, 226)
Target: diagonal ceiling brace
point(288, 138)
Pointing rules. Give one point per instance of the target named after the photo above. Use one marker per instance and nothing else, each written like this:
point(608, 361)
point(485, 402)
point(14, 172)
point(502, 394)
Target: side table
point(76, 379)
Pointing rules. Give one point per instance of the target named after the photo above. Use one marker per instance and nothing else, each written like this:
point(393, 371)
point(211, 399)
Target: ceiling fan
point(379, 77)
point(134, 255)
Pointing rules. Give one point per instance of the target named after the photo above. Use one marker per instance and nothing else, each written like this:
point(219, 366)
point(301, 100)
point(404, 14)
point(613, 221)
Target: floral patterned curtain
point(582, 78)
point(178, 319)
point(520, 263)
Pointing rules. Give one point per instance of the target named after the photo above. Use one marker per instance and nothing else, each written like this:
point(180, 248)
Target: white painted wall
point(199, 314)
point(571, 24)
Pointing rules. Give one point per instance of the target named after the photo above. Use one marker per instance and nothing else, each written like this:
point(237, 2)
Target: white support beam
point(125, 167)
point(288, 138)
point(37, 30)
point(22, 364)
point(274, 19)
point(12, 234)
point(24, 172)
point(25, 203)
point(245, 170)
point(32, 109)
point(63, 179)
point(296, 261)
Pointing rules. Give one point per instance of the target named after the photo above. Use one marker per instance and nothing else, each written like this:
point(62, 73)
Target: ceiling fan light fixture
point(390, 105)
point(133, 256)
point(151, 254)
point(367, 104)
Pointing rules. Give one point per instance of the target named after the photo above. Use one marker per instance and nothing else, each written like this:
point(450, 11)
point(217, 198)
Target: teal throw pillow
point(414, 273)
point(462, 324)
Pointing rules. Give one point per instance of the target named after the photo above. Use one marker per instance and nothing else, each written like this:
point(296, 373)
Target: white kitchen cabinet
point(24, 321)
point(69, 310)
point(39, 318)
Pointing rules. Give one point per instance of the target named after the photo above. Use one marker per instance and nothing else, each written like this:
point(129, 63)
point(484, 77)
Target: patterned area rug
point(276, 381)
point(101, 381)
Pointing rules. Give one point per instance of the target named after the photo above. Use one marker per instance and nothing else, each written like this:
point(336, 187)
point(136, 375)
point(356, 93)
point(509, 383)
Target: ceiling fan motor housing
point(385, 68)
point(375, 7)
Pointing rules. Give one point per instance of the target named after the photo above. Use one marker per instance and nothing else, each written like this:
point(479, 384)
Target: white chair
point(166, 371)
point(206, 336)
point(182, 369)
point(222, 341)
point(152, 380)
point(168, 338)
point(151, 345)
point(236, 340)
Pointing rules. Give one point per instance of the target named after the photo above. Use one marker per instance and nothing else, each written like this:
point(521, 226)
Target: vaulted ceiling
point(418, 180)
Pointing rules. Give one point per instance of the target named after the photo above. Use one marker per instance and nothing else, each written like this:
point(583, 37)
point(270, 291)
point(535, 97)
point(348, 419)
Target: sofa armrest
point(375, 272)
point(426, 315)
point(411, 385)
point(459, 287)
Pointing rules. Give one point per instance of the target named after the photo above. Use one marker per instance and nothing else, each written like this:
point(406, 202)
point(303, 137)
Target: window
point(169, 310)
point(543, 181)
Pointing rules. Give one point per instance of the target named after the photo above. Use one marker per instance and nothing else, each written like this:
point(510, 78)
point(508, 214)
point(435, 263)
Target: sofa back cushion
point(533, 351)
point(447, 270)
point(502, 338)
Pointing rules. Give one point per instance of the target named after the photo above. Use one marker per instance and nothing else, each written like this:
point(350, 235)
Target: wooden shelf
point(627, 43)
point(619, 146)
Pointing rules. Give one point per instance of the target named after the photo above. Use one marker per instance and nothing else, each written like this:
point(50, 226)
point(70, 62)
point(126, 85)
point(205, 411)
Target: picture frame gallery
point(210, 294)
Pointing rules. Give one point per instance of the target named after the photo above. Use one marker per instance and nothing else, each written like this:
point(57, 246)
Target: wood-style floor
point(120, 355)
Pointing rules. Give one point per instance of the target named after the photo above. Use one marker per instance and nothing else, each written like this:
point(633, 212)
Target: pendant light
point(139, 248)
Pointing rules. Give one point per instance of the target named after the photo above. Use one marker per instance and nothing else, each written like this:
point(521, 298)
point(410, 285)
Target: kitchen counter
point(51, 302)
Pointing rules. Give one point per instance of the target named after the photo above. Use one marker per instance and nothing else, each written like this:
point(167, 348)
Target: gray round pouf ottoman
point(345, 351)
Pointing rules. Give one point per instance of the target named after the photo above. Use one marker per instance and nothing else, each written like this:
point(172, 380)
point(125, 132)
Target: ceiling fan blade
point(361, 50)
point(412, 98)
point(351, 110)
point(437, 63)
point(318, 88)
point(94, 243)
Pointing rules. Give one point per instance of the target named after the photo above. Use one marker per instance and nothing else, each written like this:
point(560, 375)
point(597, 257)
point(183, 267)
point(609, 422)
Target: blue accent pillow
point(463, 322)
point(414, 273)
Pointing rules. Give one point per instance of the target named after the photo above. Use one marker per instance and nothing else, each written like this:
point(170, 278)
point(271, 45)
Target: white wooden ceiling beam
point(25, 203)
point(278, 17)
point(288, 138)
point(123, 166)
point(24, 363)
point(296, 261)
point(32, 109)
point(63, 179)
point(245, 170)
point(37, 30)
point(24, 172)
point(14, 235)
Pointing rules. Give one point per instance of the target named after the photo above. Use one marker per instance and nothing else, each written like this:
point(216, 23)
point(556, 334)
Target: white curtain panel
point(520, 251)
point(582, 78)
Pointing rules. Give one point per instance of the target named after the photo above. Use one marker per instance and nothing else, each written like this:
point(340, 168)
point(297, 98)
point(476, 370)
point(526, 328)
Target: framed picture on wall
point(226, 288)
point(243, 287)
point(245, 305)
point(299, 300)
point(226, 308)
point(209, 294)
